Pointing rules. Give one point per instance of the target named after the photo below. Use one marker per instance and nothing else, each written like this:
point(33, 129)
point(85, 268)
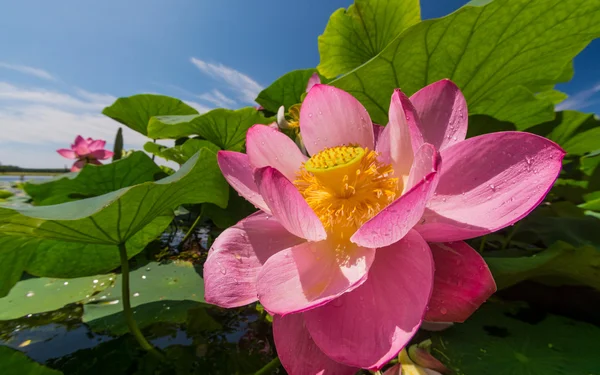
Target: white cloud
point(197, 106)
point(218, 98)
point(581, 99)
point(86, 101)
point(34, 122)
point(247, 88)
point(40, 73)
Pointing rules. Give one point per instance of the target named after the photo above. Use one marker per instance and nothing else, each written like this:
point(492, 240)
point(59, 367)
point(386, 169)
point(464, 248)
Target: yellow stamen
point(346, 186)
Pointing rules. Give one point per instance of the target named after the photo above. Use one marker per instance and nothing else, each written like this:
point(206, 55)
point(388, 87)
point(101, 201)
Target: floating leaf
point(286, 91)
point(36, 295)
point(93, 180)
point(225, 128)
point(159, 292)
point(354, 36)
point(497, 54)
point(16, 363)
point(181, 153)
point(104, 221)
point(135, 111)
point(499, 340)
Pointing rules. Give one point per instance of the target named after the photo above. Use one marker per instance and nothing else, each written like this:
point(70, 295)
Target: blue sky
point(62, 61)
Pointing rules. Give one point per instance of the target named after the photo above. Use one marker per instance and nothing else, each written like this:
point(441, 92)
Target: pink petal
point(489, 182)
point(80, 146)
point(394, 221)
point(96, 145)
point(377, 130)
point(370, 325)
point(237, 255)
point(94, 162)
point(426, 160)
point(309, 275)
point(313, 80)
point(396, 146)
point(443, 115)
point(102, 154)
point(269, 147)
point(78, 165)
point(239, 173)
point(422, 357)
point(462, 282)
point(331, 117)
point(69, 154)
point(287, 205)
point(297, 351)
point(394, 370)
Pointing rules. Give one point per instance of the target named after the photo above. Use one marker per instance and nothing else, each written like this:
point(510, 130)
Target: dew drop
point(144, 277)
point(136, 294)
point(337, 302)
point(30, 294)
point(95, 281)
point(66, 283)
point(493, 187)
point(310, 115)
point(444, 311)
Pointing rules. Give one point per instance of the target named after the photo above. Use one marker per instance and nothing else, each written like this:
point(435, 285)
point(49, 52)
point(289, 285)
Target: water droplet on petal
point(444, 311)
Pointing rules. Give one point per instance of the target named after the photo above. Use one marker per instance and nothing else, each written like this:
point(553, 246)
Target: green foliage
point(135, 111)
point(354, 36)
point(97, 225)
point(16, 363)
point(509, 340)
point(181, 153)
point(225, 128)
point(5, 194)
point(498, 54)
point(93, 180)
point(286, 91)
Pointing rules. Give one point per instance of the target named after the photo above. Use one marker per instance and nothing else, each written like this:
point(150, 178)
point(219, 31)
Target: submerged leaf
point(16, 363)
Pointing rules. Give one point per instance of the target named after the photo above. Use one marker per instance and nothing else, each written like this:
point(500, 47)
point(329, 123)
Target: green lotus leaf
point(135, 111)
point(225, 128)
point(16, 363)
point(286, 91)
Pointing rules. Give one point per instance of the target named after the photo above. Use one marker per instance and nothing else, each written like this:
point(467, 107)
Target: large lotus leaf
point(286, 91)
point(237, 209)
point(561, 262)
point(497, 54)
point(16, 363)
point(225, 128)
point(65, 259)
point(160, 292)
point(41, 294)
point(510, 340)
point(96, 225)
point(180, 153)
point(93, 180)
point(354, 36)
point(135, 111)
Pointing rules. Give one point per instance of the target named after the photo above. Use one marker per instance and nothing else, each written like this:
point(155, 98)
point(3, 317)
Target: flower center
point(346, 186)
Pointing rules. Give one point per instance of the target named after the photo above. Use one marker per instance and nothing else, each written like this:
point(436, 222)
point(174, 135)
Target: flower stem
point(482, 244)
point(194, 225)
point(127, 312)
point(510, 235)
point(269, 367)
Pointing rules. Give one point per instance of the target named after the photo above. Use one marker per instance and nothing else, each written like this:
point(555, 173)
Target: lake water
point(25, 178)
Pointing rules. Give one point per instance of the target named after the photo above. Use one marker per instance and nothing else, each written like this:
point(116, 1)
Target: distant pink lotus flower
point(86, 151)
point(339, 252)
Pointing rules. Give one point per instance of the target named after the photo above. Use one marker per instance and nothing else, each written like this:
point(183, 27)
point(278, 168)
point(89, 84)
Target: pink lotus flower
point(339, 252)
point(86, 151)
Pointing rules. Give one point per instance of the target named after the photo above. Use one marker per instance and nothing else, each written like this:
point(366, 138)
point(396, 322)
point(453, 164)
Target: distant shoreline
point(24, 173)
